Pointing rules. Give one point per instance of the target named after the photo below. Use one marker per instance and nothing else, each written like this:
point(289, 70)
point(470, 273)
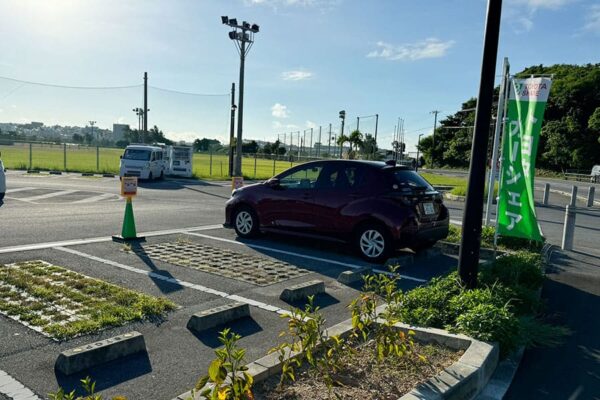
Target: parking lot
point(188, 258)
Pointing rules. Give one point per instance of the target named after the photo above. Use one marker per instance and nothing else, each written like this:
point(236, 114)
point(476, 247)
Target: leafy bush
point(428, 305)
point(518, 269)
point(466, 300)
point(490, 323)
point(504, 242)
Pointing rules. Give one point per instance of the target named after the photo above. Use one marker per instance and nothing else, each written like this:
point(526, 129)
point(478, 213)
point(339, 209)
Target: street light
point(92, 123)
point(343, 118)
point(418, 144)
point(243, 37)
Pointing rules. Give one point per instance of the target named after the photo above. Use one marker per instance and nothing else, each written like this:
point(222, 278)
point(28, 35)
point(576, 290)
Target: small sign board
point(237, 182)
point(129, 186)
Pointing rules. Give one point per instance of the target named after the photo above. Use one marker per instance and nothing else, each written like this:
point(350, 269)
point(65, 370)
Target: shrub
point(467, 300)
point(519, 269)
point(490, 323)
point(428, 305)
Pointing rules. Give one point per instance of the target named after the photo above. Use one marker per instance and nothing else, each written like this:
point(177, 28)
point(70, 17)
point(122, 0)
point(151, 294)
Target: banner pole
point(498, 130)
point(509, 86)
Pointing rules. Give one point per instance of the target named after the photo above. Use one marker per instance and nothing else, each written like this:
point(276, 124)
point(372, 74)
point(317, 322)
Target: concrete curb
point(454, 248)
point(453, 197)
point(353, 276)
point(302, 291)
point(84, 357)
point(217, 316)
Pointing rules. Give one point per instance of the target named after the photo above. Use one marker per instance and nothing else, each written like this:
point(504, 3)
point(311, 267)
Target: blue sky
point(311, 59)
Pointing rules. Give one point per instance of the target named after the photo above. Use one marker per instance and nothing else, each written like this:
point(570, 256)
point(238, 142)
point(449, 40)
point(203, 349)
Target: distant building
point(119, 131)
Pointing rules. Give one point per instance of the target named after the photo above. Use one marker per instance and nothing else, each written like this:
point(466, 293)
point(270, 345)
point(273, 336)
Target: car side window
point(341, 177)
point(303, 178)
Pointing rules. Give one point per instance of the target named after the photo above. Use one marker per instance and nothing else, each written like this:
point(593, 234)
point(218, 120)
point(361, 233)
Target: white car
point(143, 161)
point(2, 180)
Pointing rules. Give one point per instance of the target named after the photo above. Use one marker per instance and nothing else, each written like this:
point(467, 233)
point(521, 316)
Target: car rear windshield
point(407, 178)
point(136, 154)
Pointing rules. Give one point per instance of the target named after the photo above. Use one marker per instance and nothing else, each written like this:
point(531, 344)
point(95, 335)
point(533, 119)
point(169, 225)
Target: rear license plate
point(428, 208)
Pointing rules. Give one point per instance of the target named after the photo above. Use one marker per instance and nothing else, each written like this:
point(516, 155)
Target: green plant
point(519, 269)
point(490, 323)
point(89, 387)
point(227, 374)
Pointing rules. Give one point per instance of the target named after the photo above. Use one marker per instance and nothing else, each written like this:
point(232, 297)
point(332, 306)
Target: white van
point(595, 175)
point(2, 179)
point(143, 161)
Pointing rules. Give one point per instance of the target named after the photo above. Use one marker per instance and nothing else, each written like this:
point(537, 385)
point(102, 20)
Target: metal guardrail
point(578, 177)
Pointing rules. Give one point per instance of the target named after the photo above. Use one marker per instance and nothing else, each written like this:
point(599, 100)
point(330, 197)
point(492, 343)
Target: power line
point(68, 86)
point(190, 93)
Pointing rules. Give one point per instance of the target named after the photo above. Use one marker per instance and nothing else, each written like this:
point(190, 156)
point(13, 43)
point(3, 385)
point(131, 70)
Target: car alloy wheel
point(244, 222)
point(372, 244)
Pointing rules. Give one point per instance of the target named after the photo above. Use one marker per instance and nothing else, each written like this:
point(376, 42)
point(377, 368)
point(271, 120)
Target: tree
point(77, 138)
point(205, 144)
point(369, 146)
point(356, 139)
point(250, 147)
point(341, 141)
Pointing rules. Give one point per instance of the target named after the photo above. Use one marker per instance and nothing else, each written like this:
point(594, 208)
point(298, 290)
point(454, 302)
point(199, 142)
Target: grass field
point(83, 159)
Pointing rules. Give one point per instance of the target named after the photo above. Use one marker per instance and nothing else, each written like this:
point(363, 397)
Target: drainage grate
point(256, 270)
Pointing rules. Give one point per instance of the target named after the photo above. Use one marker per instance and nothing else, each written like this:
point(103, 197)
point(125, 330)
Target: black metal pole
point(146, 103)
point(231, 129)
point(471, 237)
point(238, 147)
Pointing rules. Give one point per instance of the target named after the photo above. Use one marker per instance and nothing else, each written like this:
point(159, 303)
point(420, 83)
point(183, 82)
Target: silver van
point(143, 161)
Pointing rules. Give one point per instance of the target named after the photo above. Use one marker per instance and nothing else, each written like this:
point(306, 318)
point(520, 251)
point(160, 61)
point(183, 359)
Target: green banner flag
point(525, 112)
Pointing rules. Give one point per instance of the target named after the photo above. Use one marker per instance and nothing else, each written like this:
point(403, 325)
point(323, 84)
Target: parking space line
point(48, 195)
point(21, 189)
point(294, 254)
point(75, 242)
point(176, 281)
point(93, 199)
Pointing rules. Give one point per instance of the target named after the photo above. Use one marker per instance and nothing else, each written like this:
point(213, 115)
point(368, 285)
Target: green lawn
point(64, 304)
point(83, 159)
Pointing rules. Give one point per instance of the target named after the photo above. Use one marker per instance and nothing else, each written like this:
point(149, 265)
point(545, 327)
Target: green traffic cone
point(128, 231)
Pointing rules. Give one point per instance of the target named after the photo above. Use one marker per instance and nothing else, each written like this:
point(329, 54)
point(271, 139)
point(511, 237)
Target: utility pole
point(92, 123)
point(435, 113)
point(329, 142)
point(376, 124)
point(418, 144)
point(319, 148)
point(357, 122)
point(470, 245)
point(146, 103)
point(241, 35)
point(343, 118)
point(231, 129)
point(310, 150)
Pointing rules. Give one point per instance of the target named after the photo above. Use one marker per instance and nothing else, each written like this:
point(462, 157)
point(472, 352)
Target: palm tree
point(341, 140)
point(356, 139)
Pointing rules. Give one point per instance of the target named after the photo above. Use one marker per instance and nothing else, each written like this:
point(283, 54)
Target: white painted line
point(14, 389)
point(75, 242)
point(190, 285)
point(94, 199)
point(291, 253)
point(21, 189)
point(48, 195)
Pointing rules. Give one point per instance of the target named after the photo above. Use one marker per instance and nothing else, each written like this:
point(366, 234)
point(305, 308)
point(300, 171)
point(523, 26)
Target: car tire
point(162, 175)
point(373, 243)
point(150, 177)
point(423, 245)
point(1, 196)
point(245, 222)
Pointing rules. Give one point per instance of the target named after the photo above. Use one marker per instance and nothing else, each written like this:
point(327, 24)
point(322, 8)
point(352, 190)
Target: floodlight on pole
point(243, 37)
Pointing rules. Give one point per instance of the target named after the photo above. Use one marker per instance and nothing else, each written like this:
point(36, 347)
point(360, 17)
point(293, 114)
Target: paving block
point(93, 354)
point(302, 291)
point(353, 276)
point(217, 316)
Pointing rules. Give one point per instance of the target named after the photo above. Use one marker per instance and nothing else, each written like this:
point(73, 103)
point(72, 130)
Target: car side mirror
point(273, 183)
point(120, 157)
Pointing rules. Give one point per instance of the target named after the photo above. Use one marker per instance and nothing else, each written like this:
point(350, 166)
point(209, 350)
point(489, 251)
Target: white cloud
point(321, 4)
point(428, 48)
point(279, 111)
point(310, 124)
point(592, 20)
point(278, 125)
point(548, 4)
point(296, 75)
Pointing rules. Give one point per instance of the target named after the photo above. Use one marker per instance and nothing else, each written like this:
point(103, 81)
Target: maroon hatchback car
point(377, 207)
